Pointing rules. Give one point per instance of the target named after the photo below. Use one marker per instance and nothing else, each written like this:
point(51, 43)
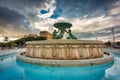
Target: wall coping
point(108, 57)
point(65, 41)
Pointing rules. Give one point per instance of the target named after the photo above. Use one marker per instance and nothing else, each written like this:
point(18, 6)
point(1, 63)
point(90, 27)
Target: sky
point(89, 18)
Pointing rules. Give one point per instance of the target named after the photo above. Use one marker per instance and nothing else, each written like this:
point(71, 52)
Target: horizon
point(90, 19)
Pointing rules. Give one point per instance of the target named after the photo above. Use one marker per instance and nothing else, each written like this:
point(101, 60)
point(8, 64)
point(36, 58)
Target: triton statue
point(62, 28)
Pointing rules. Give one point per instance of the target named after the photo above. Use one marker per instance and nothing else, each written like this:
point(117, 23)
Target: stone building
point(46, 34)
point(31, 35)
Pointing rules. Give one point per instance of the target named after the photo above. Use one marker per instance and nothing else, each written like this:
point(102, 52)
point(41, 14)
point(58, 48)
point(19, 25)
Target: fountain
point(62, 27)
point(65, 52)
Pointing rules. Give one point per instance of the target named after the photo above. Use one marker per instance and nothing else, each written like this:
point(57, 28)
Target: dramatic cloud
point(12, 22)
point(18, 17)
point(80, 8)
point(90, 18)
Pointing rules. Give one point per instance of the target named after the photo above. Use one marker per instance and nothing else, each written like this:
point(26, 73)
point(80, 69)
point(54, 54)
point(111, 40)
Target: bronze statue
point(54, 35)
point(71, 36)
point(62, 28)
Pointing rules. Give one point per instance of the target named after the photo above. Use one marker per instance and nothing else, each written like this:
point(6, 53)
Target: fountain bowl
point(61, 25)
point(65, 53)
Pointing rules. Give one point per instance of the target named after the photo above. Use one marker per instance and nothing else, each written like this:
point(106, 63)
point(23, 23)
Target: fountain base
point(64, 49)
point(107, 57)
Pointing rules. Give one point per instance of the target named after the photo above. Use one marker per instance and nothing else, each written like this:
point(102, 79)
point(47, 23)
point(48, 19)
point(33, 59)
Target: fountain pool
point(13, 69)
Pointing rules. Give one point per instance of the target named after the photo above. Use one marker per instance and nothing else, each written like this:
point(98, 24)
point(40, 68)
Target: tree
point(21, 42)
point(108, 43)
point(118, 43)
point(2, 44)
point(12, 44)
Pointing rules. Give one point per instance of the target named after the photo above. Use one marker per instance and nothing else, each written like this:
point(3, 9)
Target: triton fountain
point(65, 52)
point(67, 59)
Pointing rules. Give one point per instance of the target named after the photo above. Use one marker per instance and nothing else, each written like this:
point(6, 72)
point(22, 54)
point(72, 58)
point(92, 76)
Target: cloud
point(50, 8)
point(19, 16)
point(96, 26)
point(90, 18)
point(115, 9)
point(79, 8)
point(11, 21)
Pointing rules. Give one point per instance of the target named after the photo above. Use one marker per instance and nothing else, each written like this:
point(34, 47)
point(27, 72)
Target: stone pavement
point(11, 51)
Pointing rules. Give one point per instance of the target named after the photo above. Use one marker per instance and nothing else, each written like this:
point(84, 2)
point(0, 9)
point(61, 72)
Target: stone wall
point(64, 49)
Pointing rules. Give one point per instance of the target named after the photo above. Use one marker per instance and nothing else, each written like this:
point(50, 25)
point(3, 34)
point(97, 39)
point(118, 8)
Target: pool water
point(13, 69)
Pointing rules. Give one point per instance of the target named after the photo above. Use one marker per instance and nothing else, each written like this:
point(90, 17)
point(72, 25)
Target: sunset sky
point(90, 18)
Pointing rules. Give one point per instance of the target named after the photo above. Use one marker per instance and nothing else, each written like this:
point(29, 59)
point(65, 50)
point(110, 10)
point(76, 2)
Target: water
point(13, 69)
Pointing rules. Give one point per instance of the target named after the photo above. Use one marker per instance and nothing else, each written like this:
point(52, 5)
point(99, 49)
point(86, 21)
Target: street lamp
point(113, 34)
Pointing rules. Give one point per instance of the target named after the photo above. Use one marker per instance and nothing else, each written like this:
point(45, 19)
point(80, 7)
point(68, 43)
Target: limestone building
point(31, 35)
point(46, 34)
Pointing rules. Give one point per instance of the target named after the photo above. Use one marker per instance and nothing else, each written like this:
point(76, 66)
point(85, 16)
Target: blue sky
point(90, 18)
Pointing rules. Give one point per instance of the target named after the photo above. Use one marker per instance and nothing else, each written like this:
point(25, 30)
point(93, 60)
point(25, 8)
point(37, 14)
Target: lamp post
point(95, 34)
point(113, 34)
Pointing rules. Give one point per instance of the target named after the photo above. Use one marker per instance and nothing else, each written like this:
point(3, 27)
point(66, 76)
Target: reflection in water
point(33, 72)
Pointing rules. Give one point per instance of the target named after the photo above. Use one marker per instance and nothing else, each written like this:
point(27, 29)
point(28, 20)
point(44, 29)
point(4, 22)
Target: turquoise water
point(13, 69)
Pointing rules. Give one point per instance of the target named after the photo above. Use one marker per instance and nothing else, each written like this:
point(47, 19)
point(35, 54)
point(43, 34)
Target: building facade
point(31, 35)
point(46, 34)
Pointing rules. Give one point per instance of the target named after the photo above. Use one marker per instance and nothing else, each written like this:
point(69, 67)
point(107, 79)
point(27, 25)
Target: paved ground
point(115, 51)
point(11, 51)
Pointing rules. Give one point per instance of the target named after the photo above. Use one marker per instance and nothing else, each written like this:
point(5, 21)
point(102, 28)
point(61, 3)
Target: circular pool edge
point(107, 57)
